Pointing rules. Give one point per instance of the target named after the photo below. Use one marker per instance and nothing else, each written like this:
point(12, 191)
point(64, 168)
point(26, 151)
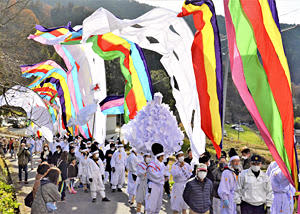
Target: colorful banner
point(206, 54)
point(252, 28)
point(112, 105)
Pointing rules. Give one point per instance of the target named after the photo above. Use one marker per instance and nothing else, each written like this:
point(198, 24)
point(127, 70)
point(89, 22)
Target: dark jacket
point(63, 166)
point(198, 195)
point(71, 157)
point(108, 166)
point(188, 160)
point(23, 157)
point(246, 163)
point(55, 157)
point(47, 158)
point(217, 173)
point(72, 171)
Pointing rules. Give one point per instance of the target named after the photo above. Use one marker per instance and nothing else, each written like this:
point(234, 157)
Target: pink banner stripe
point(240, 82)
point(112, 103)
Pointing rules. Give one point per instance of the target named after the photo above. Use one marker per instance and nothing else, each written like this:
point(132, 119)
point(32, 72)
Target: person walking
point(197, 193)
point(47, 194)
point(131, 166)
point(142, 181)
point(217, 173)
point(118, 163)
point(63, 167)
point(283, 191)
point(181, 172)
point(254, 190)
point(23, 159)
point(156, 180)
point(228, 184)
point(96, 176)
point(108, 155)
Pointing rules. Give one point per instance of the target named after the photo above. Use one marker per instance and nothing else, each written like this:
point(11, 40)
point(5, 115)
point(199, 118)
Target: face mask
point(96, 155)
point(235, 166)
point(112, 149)
point(181, 159)
point(244, 157)
point(222, 165)
point(58, 150)
point(121, 149)
point(46, 148)
point(255, 168)
point(147, 160)
point(201, 175)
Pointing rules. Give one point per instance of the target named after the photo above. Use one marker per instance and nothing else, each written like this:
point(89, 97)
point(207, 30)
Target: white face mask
point(46, 148)
point(235, 166)
point(208, 165)
point(201, 175)
point(255, 168)
point(96, 156)
point(181, 159)
point(147, 160)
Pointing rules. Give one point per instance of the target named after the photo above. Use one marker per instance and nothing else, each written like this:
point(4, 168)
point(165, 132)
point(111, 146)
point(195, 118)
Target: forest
point(19, 18)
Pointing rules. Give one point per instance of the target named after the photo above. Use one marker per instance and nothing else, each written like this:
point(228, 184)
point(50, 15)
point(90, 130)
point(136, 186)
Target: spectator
point(63, 166)
point(46, 154)
point(72, 174)
point(254, 190)
point(217, 174)
point(41, 171)
point(47, 194)
point(189, 158)
point(56, 155)
point(23, 159)
point(16, 145)
point(71, 155)
point(245, 159)
point(198, 192)
point(11, 147)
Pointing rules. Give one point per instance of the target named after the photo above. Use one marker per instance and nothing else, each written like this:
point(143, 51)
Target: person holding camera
point(23, 159)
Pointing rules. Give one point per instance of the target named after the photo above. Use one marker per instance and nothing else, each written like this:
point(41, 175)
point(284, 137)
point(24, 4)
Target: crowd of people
point(229, 184)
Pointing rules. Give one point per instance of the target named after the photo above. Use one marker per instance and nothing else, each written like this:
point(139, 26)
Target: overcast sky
point(288, 10)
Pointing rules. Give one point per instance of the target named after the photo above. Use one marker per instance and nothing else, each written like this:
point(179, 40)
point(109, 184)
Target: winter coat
point(45, 157)
point(50, 194)
point(217, 173)
point(63, 166)
point(72, 171)
point(55, 157)
point(23, 157)
point(198, 194)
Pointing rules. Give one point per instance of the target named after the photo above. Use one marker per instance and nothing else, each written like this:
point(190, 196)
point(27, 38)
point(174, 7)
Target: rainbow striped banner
point(112, 105)
point(252, 27)
point(138, 86)
point(206, 55)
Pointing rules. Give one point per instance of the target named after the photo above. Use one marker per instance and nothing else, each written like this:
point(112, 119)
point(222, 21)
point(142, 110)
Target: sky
point(288, 10)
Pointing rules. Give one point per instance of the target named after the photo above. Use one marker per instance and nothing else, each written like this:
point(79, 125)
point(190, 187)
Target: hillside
point(15, 49)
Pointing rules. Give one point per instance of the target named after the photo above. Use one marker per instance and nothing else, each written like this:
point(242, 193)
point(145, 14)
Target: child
point(72, 174)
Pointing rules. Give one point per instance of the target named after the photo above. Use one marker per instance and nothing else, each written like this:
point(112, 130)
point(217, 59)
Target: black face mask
point(222, 165)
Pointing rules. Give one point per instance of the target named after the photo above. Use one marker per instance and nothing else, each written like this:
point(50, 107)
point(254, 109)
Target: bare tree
point(9, 10)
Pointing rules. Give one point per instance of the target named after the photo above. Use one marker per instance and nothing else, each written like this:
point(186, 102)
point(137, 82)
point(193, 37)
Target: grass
point(249, 138)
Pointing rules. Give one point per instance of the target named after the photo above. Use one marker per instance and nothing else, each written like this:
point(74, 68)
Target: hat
point(232, 152)
point(202, 167)
point(95, 152)
point(147, 154)
point(179, 153)
point(157, 149)
point(119, 145)
point(223, 154)
point(256, 158)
